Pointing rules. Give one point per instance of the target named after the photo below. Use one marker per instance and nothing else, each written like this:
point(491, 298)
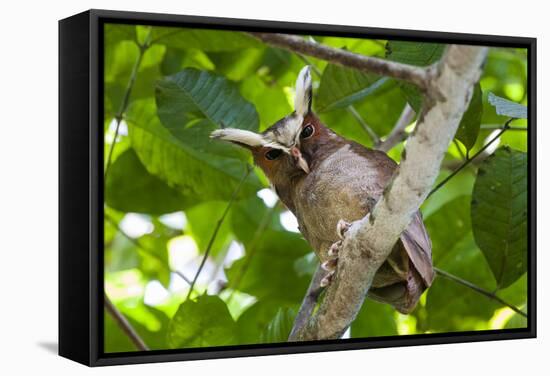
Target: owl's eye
point(273, 154)
point(307, 131)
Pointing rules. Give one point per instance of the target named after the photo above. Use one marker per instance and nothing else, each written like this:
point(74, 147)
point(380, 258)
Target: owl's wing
point(419, 248)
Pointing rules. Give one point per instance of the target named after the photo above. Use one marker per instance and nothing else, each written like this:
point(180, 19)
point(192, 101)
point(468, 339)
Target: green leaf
point(176, 60)
point(362, 46)
point(516, 322)
point(508, 108)
point(448, 226)
point(270, 100)
point(202, 323)
point(130, 188)
point(267, 269)
point(374, 320)
point(239, 64)
point(450, 306)
point(248, 215)
point(413, 53)
point(150, 324)
point(253, 322)
point(280, 326)
point(341, 87)
point(192, 94)
point(469, 126)
point(154, 262)
point(499, 214)
point(189, 166)
point(380, 111)
point(115, 33)
point(201, 223)
point(119, 65)
point(205, 40)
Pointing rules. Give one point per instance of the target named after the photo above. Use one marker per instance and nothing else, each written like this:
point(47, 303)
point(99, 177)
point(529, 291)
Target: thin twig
point(497, 126)
point(216, 230)
point(126, 97)
point(398, 133)
point(372, 134)
point(149, 252)
point(125, 325)
point(416, 75)
point(470, 159)
point(351, 109)
point(479, 290)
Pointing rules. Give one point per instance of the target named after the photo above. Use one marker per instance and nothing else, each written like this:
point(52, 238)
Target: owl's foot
point(327, 279)
point(330, 265)
point(341, 228)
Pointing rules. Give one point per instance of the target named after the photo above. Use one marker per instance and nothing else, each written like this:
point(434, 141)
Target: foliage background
point(167, 185)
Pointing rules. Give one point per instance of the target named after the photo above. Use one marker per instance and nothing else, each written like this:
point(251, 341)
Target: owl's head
point(284, 150)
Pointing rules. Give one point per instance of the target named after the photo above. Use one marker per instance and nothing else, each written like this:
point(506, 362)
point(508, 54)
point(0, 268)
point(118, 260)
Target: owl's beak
point(300, 161)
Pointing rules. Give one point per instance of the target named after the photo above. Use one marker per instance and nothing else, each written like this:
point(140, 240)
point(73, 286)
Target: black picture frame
point(81, 187)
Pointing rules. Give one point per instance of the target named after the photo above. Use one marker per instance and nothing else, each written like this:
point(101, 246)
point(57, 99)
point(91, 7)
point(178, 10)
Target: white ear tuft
point(302, 101)
point(240, 136)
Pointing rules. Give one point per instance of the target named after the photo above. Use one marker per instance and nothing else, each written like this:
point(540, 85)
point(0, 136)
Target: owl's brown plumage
point(323, 178)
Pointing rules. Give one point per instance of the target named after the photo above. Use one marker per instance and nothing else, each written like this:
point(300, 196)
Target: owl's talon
point(327, 280)
point(334, 249)
point(342, 227)
point(330, 265)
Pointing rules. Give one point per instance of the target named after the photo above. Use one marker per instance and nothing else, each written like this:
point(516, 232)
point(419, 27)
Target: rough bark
point(369, 241)
point(416, 75)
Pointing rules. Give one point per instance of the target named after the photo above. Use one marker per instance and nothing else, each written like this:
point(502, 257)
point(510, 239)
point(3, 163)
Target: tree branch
point(370, 240)
point(308, 304)
point(398, 133)
point(124, 324)
point(416, 75)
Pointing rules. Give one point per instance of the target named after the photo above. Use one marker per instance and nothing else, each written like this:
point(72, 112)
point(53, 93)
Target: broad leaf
point(239, 64)
point(153, 252)
point(508, 108)
point(341, 87)
point(414, 53)
point(130, 188)
point(380, 111)
point(202, 323)
point(280, 326)
point(499, 214)
point(469, 126)
point(374, 320)
point(424, 54)
point(115, 33)
point(206, 40)
point(201, 219)
point(448, 226)
point(190, 167)
point(252, 324)
point(192, 94)
point(248, 215)
point(149, 323)
point(271, 259)
point(451, 306)
point(119, 66)
point(270, 100)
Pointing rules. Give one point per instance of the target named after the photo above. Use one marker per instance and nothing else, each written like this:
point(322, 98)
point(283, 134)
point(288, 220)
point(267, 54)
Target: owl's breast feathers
point(345, 183)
